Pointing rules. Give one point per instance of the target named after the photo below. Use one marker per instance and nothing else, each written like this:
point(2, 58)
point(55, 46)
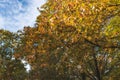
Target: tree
point(10, 68)
point(73, 40)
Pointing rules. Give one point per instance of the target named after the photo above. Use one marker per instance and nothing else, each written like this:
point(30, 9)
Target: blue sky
point(15, 14)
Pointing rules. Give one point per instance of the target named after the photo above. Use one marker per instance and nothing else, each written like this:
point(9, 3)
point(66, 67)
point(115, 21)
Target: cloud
point(19, 13)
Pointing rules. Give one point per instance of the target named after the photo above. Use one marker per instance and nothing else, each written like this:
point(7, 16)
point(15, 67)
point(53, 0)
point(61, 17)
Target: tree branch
point(98, 45)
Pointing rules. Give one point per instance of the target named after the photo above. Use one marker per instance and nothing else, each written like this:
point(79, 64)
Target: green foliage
point(10, 68)
point(113, 28)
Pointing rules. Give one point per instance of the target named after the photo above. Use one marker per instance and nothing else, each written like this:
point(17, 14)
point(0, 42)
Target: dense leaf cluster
point(72, 40)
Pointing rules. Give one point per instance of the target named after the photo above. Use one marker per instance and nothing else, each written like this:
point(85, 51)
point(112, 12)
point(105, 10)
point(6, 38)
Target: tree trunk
point(97, 72)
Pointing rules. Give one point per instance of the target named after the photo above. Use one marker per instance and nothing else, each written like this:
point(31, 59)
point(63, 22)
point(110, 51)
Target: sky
point(15, 14)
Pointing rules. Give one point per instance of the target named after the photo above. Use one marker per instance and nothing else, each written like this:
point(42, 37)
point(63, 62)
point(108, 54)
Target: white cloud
point(20, 16)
